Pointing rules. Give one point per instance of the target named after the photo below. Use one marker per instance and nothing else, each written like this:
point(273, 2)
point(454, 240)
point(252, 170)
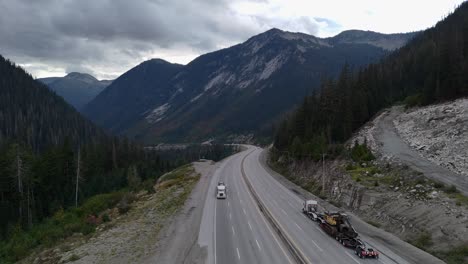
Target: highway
point(236, 231)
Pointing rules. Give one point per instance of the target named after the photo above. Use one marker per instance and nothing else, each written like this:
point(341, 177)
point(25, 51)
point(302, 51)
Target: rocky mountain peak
point(384, 41)
point(83, 77)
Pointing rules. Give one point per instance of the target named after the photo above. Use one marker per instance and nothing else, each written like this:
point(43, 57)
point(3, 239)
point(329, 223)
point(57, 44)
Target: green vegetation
point(73, 258)
point(61, 225)
point(367, 175)
point(452, 192)
point(34, 186)
point(361, 153)
point(173, 190)
point(456, 255)
point(422, 241)
point(373, 223)
point(413, 100)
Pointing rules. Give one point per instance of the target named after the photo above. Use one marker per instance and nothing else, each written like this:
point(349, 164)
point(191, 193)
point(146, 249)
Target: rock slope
point(439, 133)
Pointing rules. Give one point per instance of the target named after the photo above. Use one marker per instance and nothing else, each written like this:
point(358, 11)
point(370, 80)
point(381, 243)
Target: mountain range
point(240, 90)
point(76, 88)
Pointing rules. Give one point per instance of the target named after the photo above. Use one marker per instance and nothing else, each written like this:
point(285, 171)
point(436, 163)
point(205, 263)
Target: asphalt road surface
point(393, 145)
point(236, 231)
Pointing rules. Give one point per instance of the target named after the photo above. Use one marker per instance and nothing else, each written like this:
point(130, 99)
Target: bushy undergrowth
point(61, 225)
point(84, 219)
point(361, 153)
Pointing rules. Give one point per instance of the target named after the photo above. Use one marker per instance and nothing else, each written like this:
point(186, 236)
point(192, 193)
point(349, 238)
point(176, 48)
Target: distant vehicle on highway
point(221, 191)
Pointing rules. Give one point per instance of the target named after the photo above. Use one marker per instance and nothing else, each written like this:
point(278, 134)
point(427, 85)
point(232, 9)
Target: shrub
point(105, 218)
point(438, 185)
point(374, 224)
point(452, 189)
point(423, 241)
point(73, 257)
point(455, 255)
point(349, 167)
point(413, 100)
point(101, 202)
point(360, 153)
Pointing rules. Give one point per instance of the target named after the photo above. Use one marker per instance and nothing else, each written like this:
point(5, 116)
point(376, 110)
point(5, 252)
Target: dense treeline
point(34, 115)
point(430, 68)
point(34, 186)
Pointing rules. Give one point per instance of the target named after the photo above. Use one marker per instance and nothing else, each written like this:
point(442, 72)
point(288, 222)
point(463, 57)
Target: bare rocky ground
point(411, 204)
point(134, 237)
point(439, 133)
point(396, 196)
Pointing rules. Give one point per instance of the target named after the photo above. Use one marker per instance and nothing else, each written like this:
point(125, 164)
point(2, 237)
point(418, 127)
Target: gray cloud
point(106, 38)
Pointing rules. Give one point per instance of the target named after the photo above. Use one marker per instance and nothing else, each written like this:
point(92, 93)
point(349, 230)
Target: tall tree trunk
point(77, 177)
point(114, 155)
point(20, 181)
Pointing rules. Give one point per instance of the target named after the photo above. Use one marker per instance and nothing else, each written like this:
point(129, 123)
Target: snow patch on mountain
point(158, 113)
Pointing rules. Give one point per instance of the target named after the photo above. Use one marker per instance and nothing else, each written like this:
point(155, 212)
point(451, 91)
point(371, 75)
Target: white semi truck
point(221, 191)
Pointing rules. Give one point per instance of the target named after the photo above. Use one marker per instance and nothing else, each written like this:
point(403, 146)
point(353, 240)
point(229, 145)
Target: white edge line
point(258, 245)
point(238, 254)
point(214, 233)
point(298, 226)
point(317, 245)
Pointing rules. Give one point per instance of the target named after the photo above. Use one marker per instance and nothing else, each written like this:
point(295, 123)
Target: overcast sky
point(108, 37)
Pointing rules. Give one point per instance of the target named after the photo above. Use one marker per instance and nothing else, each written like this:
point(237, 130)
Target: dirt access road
point(393, 146)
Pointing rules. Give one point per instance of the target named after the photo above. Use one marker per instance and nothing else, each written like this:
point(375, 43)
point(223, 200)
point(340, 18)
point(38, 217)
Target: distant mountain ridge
point(238, 90)
point(76, 88)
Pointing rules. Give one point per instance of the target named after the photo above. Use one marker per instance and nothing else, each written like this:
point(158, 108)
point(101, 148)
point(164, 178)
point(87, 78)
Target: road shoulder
point(177, 242)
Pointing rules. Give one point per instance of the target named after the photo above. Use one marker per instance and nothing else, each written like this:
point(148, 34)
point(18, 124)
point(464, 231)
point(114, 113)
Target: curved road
point(393, 145)
point(235, 230)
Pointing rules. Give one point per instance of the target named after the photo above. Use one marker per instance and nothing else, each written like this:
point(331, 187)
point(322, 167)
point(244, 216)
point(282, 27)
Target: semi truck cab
point(221, 191)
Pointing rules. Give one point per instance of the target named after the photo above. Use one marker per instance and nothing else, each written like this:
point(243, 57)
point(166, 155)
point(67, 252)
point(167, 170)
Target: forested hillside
point(33, 115)
point(430, 68)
